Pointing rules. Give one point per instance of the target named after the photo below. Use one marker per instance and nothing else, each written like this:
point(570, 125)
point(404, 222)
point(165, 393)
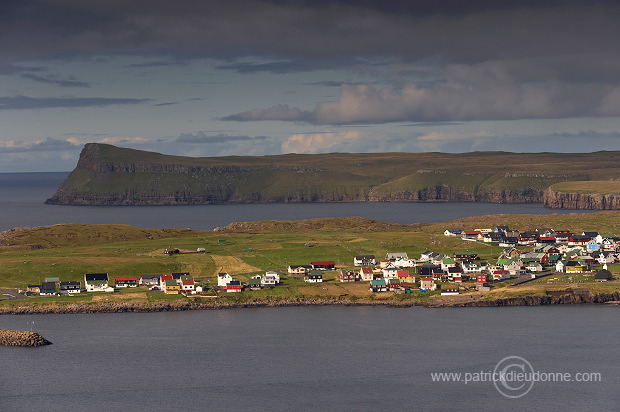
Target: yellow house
point(405, 277)
point(172, 287)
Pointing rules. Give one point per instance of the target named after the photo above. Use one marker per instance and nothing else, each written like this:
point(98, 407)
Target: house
point(366, 274)
point(324, 265)
point(188, 286)
point(55, 280)
point(509, 241)
point(180, 275)
point(426, 256)
point(466, 255)
point(126, 282)
point(592, 246)
point(405, 276)
point(364, 260)
point(223, 279)
point(71, 286)
point(602, 276)
point(500, 274)
point(299, 270)
point(34, 289)
point(346, 276)
point(149, 280)
point(390, 272)
point(314, 276)
point(534, 266)
point(470, 234)
point(255, 283)
point(393, 285)
point(428, 269)
point(453, 232)
point(482, 278)
point(397, 256)
point(492, 237)
point(48, 288)
point(162, 281)
point(574, 266)
point(379, 285)
point(271, 278)
point(234, 286)
point(171, 287)
point(449, 290)
point(427, 284)
point(97, 282)
point(447, 263)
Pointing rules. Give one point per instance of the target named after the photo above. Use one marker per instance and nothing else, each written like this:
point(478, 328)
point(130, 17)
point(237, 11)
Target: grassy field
point(70, 251)
point(606, 187)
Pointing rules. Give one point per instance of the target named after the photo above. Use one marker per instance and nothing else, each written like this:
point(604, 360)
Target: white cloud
point(319, 142)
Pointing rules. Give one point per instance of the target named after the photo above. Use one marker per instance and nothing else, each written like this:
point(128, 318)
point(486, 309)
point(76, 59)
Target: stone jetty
point(22, 338)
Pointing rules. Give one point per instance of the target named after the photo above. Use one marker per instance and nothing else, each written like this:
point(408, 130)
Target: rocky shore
point(122, 307)
point(21, 338)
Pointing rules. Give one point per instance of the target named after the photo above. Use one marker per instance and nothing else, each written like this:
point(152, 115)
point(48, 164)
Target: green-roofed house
point(447, 263)
point(379, 285)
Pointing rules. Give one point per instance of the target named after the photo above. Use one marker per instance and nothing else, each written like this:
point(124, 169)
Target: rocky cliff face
point(560, 200)
point(106, 175)
point(445, 193)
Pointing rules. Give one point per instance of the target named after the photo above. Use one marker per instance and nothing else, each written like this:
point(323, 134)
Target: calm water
point(22, 196)
point(313, 358)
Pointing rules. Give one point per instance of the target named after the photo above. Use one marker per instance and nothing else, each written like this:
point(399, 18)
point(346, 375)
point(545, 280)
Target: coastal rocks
point(22, 338)
point(560, 200)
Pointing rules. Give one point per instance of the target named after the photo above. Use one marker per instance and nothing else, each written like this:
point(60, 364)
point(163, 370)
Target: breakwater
point(122, 307)
point(21, 338)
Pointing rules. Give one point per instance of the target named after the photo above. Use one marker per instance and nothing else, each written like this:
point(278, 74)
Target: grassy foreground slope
point(28, 256)
point(106, 174)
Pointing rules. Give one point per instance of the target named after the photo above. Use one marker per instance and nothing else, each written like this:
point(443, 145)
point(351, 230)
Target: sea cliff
point(109, 175)
point(590, 201)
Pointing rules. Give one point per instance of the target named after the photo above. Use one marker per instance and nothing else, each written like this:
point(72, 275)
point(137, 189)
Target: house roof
point(127, 279)
point(150, 276)
point(324, 263)
point(96, 276)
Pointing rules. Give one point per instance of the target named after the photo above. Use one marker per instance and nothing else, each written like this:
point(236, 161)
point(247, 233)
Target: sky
point(239, 77)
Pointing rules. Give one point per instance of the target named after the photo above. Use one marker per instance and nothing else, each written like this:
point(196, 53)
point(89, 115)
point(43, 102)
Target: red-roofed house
point(126, 282)
point(325, 265)
point(188, 285)
point(366, 274)
point(405, 277)
point(428, 284)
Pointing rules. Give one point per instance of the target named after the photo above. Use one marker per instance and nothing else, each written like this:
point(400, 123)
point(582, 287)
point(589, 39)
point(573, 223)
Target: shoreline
point(124, 307)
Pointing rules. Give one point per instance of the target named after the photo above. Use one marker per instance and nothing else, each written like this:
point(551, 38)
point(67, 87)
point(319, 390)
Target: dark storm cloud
point(55, 80)
point(453, 30)
point(24, 102)
point(203, 138)
point(446, 60)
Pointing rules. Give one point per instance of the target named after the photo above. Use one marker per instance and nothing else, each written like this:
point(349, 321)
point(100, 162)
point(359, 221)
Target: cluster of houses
point(175, 283)
point(228, 283)
point(552, 251)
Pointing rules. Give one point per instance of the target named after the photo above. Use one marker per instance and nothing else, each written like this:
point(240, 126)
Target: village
point(526, 256)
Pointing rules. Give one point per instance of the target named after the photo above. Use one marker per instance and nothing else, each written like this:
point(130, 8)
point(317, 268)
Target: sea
point(324, 358)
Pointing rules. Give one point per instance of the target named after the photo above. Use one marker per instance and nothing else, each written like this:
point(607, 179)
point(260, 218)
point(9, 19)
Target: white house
point(223, 279)
point(390, 272)
point(271, 278)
